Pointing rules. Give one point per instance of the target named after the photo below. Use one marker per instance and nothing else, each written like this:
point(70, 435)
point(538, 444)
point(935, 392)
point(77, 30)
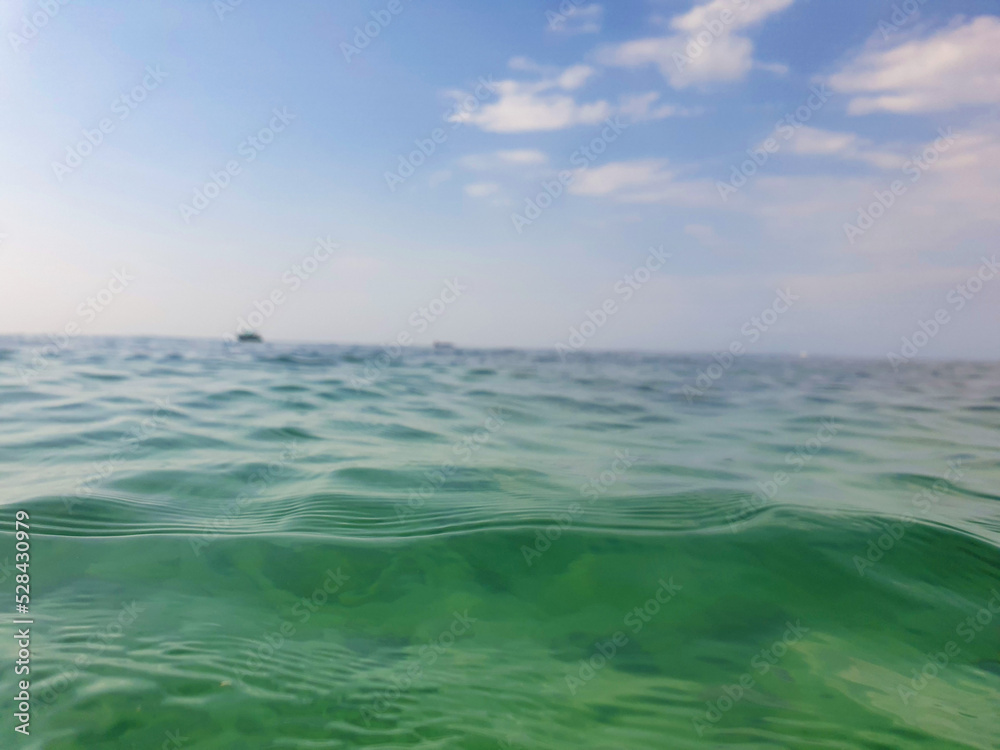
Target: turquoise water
point(246, 547)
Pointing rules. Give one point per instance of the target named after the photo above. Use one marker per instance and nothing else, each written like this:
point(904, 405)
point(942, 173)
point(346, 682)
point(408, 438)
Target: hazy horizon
point(170, 169)
point(465, 347)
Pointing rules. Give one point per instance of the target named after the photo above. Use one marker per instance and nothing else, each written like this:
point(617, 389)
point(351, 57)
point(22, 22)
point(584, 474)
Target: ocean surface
point(303, 546)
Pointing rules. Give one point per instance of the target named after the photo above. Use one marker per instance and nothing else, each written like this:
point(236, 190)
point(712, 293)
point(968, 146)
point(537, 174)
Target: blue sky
point(688, 88)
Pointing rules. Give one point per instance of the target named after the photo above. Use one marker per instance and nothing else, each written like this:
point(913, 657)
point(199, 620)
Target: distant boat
point(444, 346)
point(249, 336)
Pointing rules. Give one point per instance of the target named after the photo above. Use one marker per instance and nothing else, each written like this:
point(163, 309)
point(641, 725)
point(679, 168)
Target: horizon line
point(458, 347)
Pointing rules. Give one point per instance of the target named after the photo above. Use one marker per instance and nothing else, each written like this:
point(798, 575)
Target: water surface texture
point(248, 547)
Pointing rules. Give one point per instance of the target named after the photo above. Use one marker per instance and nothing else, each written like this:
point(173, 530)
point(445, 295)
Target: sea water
point(306, 546)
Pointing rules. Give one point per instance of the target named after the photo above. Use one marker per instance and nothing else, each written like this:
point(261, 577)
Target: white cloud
point(948, 203)
point(522, 156)
point(613, 177)
point(779, 69)
point(579, 19)
point(745, 13)
point(640, 181)
point(815, 142)
point(481, 189)
point(574, 77)
point(547, 104)
point(705, 47)
point(526, 65)
point(825, 142)
point(639, 107)
point(954, 67)
point(504, 160)
point(527, 106)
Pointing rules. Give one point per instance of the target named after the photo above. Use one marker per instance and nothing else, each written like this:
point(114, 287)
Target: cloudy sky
point(843, 152)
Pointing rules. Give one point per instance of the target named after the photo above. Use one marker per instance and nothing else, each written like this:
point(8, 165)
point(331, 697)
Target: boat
point(445, 346)
point(250, 337)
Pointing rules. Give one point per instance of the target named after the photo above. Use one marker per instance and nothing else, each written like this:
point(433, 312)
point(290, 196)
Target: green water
point(248, 548)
